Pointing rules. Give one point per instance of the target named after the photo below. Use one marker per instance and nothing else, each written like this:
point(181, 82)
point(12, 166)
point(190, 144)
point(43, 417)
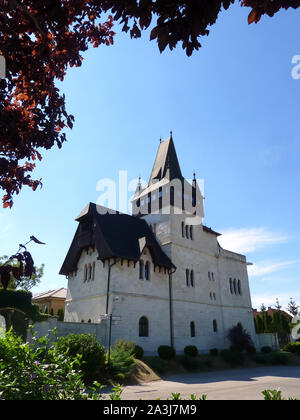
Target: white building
point(160, 272)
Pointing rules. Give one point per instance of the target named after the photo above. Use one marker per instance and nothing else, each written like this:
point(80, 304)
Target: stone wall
point(268, 339)
point(44, 328)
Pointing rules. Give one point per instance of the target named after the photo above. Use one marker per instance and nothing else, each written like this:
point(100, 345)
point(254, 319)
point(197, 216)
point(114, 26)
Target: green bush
point(239, 338)
point(131, 347)
point(25, 376)
point(214, 352)
point(166, 352)
point(138, 352)
point(85, 345)
point(191, 351)
point(266, 349)
point(293, 348)
point(121, 363)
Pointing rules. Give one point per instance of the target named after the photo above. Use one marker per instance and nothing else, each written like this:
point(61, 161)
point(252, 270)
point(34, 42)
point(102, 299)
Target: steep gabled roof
point(114, 236)
point(166, 163)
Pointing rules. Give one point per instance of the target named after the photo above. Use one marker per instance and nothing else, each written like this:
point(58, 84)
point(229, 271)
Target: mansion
point(159, 272)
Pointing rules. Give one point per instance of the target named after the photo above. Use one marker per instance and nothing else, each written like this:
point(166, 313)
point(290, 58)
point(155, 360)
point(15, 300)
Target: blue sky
point(234, 111)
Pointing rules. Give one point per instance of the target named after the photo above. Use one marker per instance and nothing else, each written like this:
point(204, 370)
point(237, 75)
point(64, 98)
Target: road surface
point(235, 384)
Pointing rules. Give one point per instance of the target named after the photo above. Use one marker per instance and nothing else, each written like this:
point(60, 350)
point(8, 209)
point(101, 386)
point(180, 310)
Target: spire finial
point(160, 139)
point(171, 134)
point(194, 174)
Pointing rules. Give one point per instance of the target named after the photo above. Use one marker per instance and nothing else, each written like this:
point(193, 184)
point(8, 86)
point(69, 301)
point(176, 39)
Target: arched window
point(187, 275)
point(191, 232)
point(182, 229)
point(234, 286)
point(85, 273)
point(143, 327)
point(90, 272)
point(192, 329)
point(215, 325)
point(230, 285)
point(239, 287)
point(192, 278)
point(147, 270)
point(141, 269)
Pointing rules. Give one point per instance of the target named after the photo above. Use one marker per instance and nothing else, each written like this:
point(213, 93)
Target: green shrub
point(239, 338)
point(125, 345)
point(24, 375)
point(293, 348)
point(214, 352)
point(166, 352)
point(121, 363)
point(85, 345)
point(266, 349)
point(138, 352)
point(191, 351)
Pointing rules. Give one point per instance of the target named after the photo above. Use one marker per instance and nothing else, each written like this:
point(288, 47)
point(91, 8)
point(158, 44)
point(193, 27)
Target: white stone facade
point(209, 302)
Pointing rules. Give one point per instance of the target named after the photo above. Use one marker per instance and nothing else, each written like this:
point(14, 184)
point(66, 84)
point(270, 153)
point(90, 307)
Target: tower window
point(182, 229)
point(215, 325)
point(143, 327)
point(191, 232)
point(239, 287)
point(187, 275)
point(187, 231)
point(85, 275)
point(230, 285)
point(234, 286)
point(192, 278)
point(192, 329)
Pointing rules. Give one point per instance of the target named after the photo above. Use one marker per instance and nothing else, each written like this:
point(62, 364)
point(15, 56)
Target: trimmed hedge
point(293, 348)
point(191, 351)
point(166, 352)
point(19, 299)
point(86, 345)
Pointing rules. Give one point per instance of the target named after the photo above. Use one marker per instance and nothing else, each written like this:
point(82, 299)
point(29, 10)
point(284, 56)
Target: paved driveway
point(235, 384)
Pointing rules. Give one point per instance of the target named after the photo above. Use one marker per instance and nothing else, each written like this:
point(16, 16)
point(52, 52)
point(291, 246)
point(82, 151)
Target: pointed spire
point(138, 188)
point(171, 134)
point(194, 179)
point(166, 163)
